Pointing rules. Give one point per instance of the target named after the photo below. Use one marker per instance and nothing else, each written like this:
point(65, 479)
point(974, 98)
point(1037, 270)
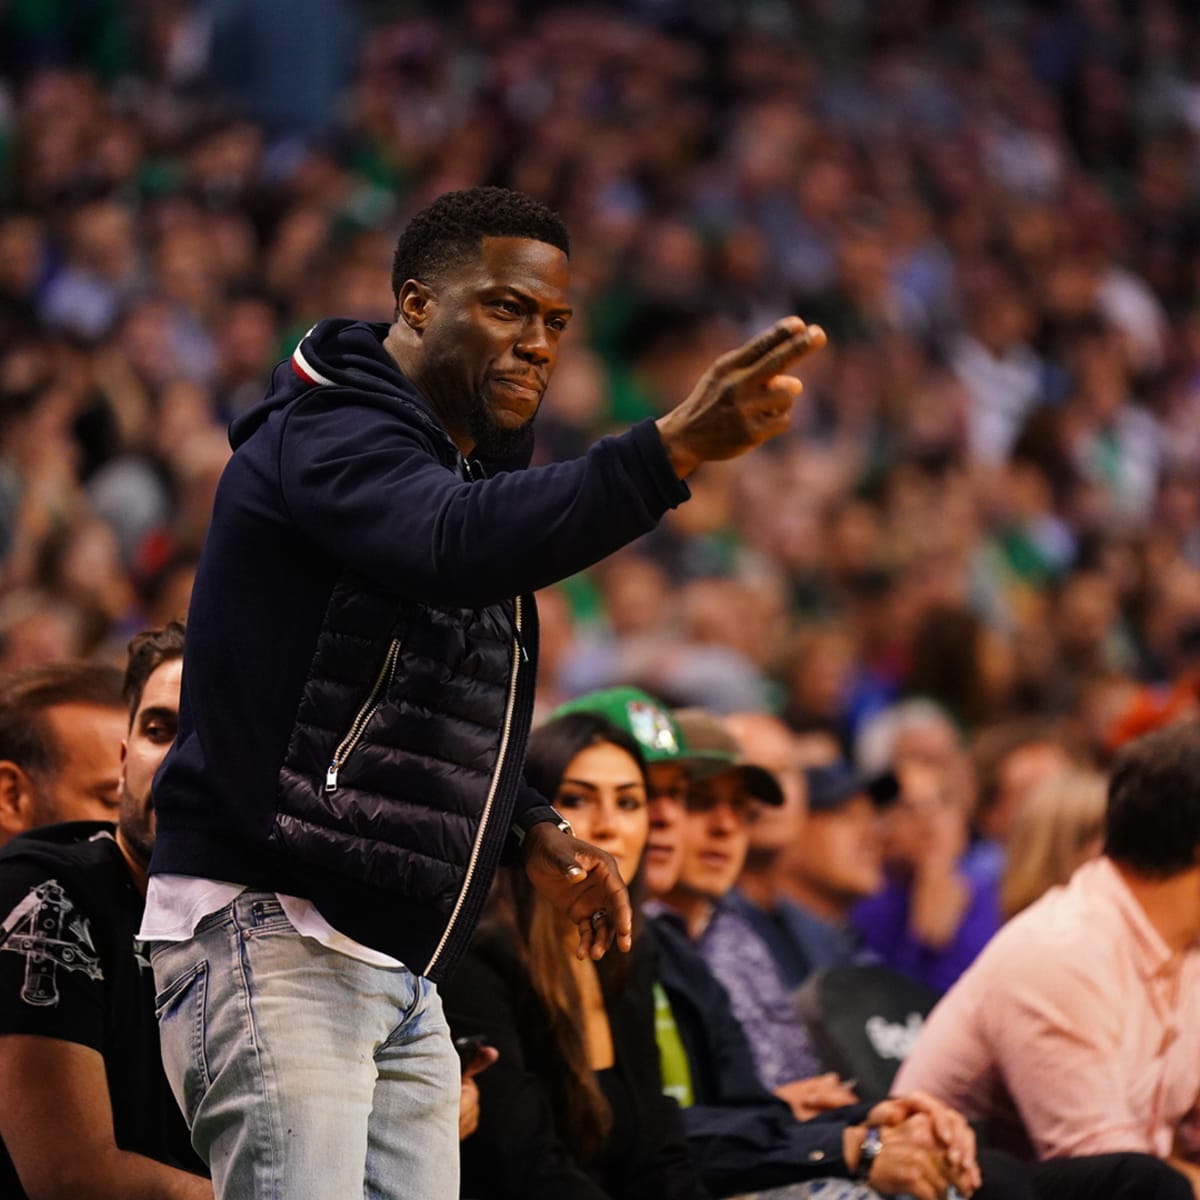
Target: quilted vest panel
point(395, 742)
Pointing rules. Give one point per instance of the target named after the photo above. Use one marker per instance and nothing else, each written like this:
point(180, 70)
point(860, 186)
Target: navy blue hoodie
point(342, 468)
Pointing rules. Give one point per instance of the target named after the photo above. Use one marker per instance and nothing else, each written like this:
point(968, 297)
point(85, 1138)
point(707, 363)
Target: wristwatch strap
point(868, 1153)
point(539, 814)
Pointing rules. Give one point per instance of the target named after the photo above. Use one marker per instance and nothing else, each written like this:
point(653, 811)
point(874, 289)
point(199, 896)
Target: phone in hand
point(469, 1047)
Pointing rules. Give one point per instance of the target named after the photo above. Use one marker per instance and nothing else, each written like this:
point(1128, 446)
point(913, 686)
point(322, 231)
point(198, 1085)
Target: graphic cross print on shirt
point(44, 930)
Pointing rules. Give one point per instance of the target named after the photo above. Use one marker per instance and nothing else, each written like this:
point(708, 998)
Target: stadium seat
point(863, 1021)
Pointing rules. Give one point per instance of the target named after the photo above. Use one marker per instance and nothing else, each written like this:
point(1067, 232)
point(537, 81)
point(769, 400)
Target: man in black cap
point(820, 876)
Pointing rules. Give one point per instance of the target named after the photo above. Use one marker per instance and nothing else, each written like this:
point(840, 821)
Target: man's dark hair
point(1153, 821)
point(148, 651)
point(453, 226)
point(26, 736)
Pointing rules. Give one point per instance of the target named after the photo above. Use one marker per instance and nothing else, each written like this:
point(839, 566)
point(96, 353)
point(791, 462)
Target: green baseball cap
point(694, 739)
point(647, 721)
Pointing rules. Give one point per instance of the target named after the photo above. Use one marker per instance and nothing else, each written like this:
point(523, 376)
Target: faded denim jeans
point(305, 1074)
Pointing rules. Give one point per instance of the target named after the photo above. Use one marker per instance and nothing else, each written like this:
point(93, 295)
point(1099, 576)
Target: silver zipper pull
point(517, 629)
point(331, 777)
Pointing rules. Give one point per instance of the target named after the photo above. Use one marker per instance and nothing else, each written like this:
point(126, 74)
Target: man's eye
point(159, 733)
point(508, 307)
point(678, 794)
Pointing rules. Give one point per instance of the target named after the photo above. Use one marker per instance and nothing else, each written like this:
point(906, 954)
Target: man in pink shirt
point(1077, 1030)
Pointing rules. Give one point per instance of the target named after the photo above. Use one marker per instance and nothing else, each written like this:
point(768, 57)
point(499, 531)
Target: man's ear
point(17, 801)
point(414, 304)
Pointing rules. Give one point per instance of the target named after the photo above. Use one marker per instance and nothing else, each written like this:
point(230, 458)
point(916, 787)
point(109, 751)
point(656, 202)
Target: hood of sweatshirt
point(350, 355)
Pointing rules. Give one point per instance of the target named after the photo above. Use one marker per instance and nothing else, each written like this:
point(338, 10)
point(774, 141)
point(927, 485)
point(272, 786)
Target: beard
point(493, 441)
point(135, 824)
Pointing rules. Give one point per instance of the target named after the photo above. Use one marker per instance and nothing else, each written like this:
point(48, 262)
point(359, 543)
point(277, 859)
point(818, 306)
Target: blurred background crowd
point(990, 497)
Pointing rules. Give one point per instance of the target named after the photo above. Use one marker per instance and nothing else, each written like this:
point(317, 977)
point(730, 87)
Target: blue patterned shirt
point(737, 955)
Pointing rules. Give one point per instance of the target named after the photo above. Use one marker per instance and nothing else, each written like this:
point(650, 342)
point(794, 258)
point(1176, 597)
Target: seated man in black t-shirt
point(84, 1105)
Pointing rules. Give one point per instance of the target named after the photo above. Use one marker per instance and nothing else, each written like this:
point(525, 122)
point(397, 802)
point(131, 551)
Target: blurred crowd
point(989, 499)
point(935, 610)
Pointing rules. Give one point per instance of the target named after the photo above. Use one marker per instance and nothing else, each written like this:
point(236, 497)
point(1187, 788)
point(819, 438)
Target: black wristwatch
point(868, 1152)
point(540, 814)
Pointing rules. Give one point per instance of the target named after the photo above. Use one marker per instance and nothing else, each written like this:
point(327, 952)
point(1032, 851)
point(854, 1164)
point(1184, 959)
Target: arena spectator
point(811, 859)
point(720, 809)
point(574, 1107)
point(1010, 760)
point(85, 1108)
point(835, 865)
point(1060, 827)
point(939, 903)
point(1075, 1031)
point(738, 1135)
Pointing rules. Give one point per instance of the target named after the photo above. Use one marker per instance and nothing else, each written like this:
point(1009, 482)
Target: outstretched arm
point(420, 530)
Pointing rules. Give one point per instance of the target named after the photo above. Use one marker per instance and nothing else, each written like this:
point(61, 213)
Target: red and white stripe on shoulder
point(304, 368)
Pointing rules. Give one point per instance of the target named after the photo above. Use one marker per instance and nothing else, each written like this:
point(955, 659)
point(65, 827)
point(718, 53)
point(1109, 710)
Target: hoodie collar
point(350, 355)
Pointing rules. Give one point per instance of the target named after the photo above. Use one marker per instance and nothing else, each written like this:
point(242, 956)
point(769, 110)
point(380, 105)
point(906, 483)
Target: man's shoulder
point(360, 418)
point(803, 923)
point(1054, 938)
point(70, 869)
point(727, 926)
point(822, 942)
point(675, 951)
point(76, 847)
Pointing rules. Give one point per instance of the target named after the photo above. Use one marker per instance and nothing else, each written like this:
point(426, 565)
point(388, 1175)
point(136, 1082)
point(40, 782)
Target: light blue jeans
point(305, 1074)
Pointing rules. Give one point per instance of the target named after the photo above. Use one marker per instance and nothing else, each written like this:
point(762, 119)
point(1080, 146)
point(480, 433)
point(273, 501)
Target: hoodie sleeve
point(367, 487)
point(762, 1147)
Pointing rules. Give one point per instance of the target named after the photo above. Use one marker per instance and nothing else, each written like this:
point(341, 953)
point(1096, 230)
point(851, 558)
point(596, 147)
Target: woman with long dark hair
point(573, 1109)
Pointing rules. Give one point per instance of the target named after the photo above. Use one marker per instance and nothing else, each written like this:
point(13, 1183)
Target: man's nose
point(665, 811)
point(533, 345)
point(723, 818)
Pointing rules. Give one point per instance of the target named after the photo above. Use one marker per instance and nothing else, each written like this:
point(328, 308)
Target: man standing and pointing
point(358, 686)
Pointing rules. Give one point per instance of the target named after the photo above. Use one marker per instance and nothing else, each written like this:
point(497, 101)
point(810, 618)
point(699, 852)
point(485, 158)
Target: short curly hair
point(455, 223)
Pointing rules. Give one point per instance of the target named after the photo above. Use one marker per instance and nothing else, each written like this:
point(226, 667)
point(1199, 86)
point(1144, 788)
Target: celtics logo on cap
point(652, 727)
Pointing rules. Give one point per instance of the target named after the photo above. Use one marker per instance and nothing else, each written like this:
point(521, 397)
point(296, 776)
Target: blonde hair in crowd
point(1058, 827)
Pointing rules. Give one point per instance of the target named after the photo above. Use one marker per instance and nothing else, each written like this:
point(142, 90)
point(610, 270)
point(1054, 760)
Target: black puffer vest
point(404, 762)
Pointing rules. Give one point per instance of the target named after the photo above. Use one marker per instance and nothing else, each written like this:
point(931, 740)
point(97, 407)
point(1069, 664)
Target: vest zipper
point(518, 650)
point(364, 715)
